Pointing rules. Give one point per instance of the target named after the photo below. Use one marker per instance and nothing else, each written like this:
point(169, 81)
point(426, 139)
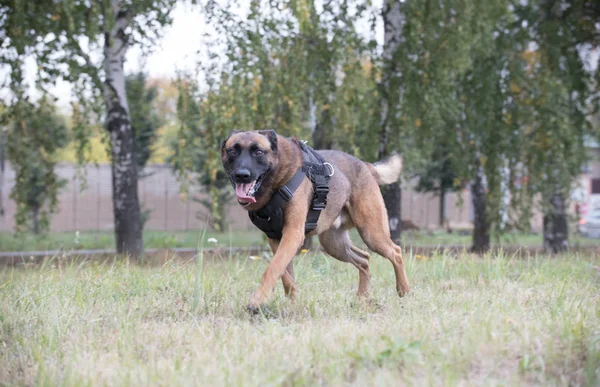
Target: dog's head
point(248, 159)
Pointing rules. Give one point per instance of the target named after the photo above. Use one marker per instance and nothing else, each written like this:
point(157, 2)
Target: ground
point(476, 321)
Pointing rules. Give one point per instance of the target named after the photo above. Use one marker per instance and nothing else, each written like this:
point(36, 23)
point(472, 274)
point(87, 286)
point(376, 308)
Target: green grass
point(106, 240)
point(467, 321)
point(165, 239)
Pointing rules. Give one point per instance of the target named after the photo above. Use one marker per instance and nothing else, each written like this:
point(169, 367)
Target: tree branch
point(91, 68)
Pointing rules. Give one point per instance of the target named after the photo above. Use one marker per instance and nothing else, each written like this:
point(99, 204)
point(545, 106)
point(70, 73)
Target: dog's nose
point(242, 176)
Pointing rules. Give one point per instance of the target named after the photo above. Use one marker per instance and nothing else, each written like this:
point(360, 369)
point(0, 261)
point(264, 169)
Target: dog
point(259, 163)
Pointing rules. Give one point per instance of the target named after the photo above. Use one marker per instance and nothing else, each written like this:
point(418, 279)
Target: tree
point(568, 90)
point(489, 124)
point(193, 158)
point(33, 141)
point(299, 71)
point(428, 47)
point(74, 33)
point(443, 83)
point(521, 121)
point(145, 119)
point(145, 122)
point(559, 96)
point(392, 93)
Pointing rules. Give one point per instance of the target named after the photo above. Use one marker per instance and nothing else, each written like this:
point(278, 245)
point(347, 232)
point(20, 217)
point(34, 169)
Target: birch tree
point(392, 95)
point(85, 43)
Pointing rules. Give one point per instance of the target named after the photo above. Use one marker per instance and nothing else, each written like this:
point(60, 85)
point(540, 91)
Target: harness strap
point(319, 173)
point(269, 219)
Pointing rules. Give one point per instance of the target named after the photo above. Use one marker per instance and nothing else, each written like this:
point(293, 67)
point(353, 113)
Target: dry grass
point(468, 321)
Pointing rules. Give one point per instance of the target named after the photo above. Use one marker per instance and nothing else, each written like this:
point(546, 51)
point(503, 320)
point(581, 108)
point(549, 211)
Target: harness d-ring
point(330, 167)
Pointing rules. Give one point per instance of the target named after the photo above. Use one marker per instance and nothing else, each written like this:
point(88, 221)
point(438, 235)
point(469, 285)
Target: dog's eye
point(259, 152)
point(232, 152)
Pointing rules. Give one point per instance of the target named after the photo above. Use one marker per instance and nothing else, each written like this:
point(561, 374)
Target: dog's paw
point(402, 290)
point(253, 309)
point(262, 310)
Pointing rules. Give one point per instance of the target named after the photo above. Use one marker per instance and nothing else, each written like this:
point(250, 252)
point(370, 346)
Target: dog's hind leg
point(370, 217)
point(337, 244)
point(289, 283)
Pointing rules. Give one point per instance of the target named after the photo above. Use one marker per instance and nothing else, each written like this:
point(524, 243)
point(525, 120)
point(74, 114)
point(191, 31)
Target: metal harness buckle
point(320, 198)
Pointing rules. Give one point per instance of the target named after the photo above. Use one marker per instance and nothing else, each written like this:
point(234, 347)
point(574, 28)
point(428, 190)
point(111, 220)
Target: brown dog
point(259, 163)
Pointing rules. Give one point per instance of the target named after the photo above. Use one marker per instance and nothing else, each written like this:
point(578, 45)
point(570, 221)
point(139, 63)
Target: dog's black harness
point(269, 219)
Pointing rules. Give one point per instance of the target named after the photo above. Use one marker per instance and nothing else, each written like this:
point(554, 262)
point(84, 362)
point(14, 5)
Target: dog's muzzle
point(245, 190)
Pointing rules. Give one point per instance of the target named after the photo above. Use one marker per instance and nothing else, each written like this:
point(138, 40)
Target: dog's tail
point(387, 171)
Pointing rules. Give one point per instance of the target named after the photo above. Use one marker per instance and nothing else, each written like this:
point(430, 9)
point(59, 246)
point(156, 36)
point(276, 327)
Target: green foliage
point(145, 122)
point(64, 26)
point(33, 141)
point(196, 151)
point(510, 96)
point(85, 43)
point(496, 88)
point(297, 69)
point(439, 175)
point(556, 94)
point(288, 67)
point(457, 91)
point(145, 119)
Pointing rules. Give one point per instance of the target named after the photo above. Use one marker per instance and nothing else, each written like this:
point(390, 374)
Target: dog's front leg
point(290, 243)
point(291, 240)
point(289, 283)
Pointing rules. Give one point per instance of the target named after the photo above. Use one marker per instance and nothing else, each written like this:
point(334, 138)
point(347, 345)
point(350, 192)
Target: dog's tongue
point(241, 191)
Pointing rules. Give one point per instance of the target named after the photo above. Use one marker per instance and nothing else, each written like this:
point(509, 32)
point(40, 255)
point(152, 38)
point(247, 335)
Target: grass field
point(106, 240)
point(468, 321)
point(165, 239)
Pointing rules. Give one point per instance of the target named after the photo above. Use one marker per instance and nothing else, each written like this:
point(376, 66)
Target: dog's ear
point(225, 141)
point(272, 136)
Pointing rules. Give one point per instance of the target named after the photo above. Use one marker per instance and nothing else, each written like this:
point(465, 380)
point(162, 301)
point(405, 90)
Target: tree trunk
point(481, 227)
point(126, 206)
point(392, 196)
point(321, 136)
point(35, 220)
point(556, 231)
point(393, 22)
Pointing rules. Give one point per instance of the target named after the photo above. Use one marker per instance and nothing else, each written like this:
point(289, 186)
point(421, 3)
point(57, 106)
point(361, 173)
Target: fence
point(91, 209)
